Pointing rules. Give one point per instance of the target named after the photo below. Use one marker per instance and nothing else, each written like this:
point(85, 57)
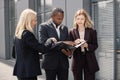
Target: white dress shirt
point(57, 29)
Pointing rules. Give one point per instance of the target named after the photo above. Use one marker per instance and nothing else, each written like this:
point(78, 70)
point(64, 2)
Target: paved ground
point(6, 70)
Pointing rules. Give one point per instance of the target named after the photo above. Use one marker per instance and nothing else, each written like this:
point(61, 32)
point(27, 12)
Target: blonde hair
point(24, 22)
point(88, 22)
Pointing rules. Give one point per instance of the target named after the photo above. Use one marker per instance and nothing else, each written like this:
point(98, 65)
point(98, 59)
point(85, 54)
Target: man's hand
point(53, 39)
point(67, 52)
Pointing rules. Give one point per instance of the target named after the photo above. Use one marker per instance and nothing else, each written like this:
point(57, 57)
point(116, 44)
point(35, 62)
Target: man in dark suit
point(55, 62)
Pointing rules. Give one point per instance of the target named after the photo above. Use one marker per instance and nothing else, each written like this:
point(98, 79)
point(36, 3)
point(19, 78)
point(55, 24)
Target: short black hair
point(57, 10)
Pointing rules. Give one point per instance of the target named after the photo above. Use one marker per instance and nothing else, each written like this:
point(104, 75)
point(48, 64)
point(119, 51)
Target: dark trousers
point(61, 74)
point(81, 71)
point(83, 75)
point(31, 78)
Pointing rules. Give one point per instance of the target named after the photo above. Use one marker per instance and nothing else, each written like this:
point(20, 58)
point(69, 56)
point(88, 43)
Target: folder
point(66, 45)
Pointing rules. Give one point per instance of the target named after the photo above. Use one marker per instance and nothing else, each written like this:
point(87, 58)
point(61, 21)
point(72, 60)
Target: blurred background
point(104, 13)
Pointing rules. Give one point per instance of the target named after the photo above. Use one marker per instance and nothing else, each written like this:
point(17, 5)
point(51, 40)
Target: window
point(44, 8)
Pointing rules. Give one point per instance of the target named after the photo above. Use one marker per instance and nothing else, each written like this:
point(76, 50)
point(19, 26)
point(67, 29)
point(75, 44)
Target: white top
point(82, 34)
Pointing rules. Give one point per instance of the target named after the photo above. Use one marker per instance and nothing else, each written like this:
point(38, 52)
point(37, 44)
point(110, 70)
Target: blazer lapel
point(86, 37)
point(77, 33)
point(62, 32)
point(54, 31)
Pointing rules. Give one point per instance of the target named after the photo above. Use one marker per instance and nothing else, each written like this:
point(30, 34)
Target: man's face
point(58, 18)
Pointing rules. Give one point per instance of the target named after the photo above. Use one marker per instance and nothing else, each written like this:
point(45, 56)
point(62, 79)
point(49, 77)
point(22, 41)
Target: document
point(70, 47)
point(78, 45)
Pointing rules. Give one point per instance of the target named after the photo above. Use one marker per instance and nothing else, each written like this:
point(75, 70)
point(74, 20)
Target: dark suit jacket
point(27, 57)
point(54, 58)
point(91, 38)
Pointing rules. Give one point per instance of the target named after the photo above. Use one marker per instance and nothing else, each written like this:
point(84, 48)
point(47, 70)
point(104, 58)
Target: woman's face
point(80, 20)
point(34, 22)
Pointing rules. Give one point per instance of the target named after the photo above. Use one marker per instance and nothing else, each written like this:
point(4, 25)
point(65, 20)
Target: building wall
point(2, 30)
point(106, 40)
point(6, 27)
point(103, 16)
point(117, 39)
point(70, 7)
point(21, 5)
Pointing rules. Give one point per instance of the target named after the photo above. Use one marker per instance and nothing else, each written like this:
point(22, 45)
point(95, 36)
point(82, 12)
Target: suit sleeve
point(42, 34)
point(67, 34)
point(94, 44)
point(32, 42)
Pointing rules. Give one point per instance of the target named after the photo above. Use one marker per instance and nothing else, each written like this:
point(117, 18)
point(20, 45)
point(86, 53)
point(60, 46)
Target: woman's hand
point(77, 41)
point(85, 45)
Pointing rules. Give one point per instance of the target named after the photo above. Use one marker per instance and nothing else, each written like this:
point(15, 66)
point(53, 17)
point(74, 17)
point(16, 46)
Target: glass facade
point(12, 18)
point(117, 39)
point(106, 15)
point(44, 8)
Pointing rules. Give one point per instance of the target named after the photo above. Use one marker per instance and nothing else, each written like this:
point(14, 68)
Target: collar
point(55, 25)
